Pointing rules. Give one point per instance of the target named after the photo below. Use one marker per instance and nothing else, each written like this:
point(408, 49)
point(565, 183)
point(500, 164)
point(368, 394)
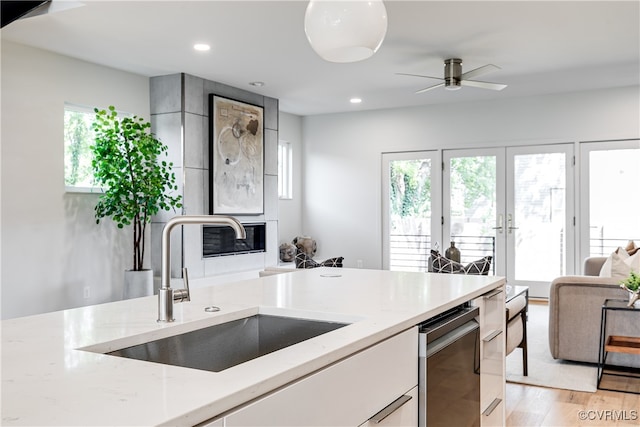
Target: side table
point(615, 343)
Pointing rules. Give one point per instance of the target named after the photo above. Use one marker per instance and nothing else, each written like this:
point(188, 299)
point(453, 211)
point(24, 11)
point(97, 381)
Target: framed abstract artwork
point(236, 157)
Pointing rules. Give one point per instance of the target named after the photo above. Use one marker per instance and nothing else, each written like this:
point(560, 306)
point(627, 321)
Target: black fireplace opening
point(220, 240)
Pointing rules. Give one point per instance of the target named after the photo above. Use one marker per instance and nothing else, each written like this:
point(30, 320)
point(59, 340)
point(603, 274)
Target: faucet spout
point(166, 295)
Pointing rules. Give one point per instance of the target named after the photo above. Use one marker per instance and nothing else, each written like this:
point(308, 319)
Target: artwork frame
point(236, 157)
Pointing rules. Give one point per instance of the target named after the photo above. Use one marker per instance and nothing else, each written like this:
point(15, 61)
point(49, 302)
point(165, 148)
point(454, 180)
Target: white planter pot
point(137, 284)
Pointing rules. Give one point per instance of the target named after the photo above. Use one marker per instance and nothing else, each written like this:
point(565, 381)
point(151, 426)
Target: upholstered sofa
point(574, 316)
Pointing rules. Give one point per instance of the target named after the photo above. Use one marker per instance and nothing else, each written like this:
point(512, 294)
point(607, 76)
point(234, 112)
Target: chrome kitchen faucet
point(166, 295)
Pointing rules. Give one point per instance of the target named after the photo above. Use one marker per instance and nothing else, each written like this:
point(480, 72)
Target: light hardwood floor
point(542, 406)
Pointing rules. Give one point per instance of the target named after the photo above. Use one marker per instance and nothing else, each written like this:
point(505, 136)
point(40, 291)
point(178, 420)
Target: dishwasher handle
point(444, 341)
point(438, 327)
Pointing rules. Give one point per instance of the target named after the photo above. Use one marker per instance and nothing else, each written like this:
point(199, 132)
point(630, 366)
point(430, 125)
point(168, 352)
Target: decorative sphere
point(287, 252)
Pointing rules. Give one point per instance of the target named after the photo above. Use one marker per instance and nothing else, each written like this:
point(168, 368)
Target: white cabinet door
point(345, 394)
point(217, 423)
point(402, 412)
point(492, 357)
point(493, 415)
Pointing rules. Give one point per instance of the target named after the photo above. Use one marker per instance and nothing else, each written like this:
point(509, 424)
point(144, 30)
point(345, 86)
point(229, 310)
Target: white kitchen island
point(53, 372)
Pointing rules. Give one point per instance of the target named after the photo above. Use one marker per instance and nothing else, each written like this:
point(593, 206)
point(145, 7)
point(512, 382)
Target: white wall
point(342, 152)
point(51, 247)
point(290, 211)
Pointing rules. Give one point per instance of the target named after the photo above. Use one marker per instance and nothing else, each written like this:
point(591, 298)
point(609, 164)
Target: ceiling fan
point(454, 79)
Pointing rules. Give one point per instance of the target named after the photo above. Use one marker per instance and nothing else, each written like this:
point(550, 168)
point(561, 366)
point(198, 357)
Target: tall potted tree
point(137, 184)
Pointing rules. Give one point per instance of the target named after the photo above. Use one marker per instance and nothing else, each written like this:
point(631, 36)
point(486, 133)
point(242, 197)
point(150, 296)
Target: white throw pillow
point(619, 253)
point(621, 267)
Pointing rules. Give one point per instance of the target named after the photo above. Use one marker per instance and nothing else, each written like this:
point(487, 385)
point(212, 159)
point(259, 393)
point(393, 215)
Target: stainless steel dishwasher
point(449, 370)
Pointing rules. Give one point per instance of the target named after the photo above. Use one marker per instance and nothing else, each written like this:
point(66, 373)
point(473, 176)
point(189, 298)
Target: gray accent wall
point(179, 118)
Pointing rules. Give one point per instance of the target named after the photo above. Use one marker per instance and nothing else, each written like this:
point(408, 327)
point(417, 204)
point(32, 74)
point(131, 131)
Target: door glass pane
point(473, 207)
point(614, 204)
point(538, 221)
point(409, 214)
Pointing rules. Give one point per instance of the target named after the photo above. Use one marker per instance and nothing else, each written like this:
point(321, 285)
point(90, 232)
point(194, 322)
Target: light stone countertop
point(48, 379)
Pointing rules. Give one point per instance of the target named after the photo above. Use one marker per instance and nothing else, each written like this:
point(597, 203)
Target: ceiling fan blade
point(418, 75)
point(429, 88)
point(483, 85)
point(480, 70)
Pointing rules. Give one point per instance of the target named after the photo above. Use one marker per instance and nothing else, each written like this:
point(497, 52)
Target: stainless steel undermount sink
point(223, 346)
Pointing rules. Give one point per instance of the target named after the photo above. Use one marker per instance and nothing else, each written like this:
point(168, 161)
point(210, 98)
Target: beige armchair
point(574, 316)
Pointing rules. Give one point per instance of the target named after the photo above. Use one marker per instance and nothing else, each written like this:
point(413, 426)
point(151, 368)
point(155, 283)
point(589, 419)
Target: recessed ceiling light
point(257, 84)
point(202, 47)
point(355, 100)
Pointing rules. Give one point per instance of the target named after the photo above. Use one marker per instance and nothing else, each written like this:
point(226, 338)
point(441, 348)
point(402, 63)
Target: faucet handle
point(180, 295)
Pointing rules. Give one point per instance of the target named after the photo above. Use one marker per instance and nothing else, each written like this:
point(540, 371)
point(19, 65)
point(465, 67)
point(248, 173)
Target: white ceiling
point(542, 47)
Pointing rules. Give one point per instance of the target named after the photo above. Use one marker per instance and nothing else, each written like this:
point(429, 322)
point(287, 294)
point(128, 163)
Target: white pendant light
point(345, 31)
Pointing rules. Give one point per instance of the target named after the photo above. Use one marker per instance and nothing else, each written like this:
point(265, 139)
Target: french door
point(511, 203)
point(514, 203)
point(474, 204)
point(411, 190)
point(609, 205)
point(540, 225)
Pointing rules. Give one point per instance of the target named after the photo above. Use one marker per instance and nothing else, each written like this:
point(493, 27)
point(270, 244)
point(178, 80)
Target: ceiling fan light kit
point(454, 79)
point(452, 73)
point(345, 31)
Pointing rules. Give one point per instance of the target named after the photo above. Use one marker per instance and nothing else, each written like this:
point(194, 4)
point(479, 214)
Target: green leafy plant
point(632, 282)
point(137, 183)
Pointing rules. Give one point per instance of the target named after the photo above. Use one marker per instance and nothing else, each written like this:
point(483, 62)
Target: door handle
point(499, 226)
point(492, 406)
point(492, 336)
point(393, 406)
point(492, 294)
point(510, 226)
